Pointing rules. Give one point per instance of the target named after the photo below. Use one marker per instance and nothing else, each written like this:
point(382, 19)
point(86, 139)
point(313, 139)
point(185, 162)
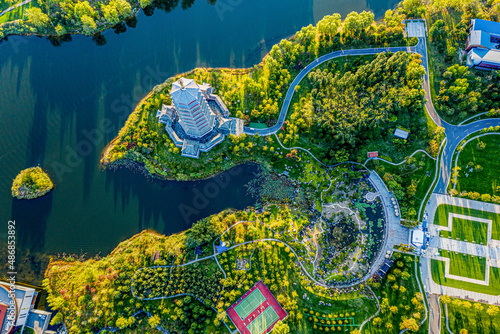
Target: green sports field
point(467, 229)
point(263, 321)
point(249, 304)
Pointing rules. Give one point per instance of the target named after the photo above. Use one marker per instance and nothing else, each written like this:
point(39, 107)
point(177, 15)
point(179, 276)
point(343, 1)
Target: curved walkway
point(15, 6)
point(319, 161)
point(305, 71)
point(402, 162)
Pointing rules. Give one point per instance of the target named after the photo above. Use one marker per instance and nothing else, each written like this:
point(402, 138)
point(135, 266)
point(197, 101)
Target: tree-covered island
point(31, 183)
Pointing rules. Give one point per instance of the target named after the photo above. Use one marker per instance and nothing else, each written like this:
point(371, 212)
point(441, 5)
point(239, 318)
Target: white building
point(17, 309)
point(483, 45)
point(198, 119)
point(417, 238)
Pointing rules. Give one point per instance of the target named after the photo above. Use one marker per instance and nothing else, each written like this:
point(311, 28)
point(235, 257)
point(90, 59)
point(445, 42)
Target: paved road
point(305, 71)
point(15, 6)
point(434, 313)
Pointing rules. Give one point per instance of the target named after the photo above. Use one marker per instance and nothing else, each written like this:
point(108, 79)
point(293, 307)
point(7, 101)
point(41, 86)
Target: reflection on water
point(54, 99)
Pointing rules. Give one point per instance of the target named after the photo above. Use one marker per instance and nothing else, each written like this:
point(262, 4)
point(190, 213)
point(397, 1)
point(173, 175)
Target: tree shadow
point(173, 206)
point(31, 221)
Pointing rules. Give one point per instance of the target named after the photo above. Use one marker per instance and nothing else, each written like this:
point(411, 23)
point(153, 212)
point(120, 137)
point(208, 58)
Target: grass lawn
point(465, 265)
point(437, 269)
point(474, 319)
point(441, 218)
point(486, 181)
point(466, 230)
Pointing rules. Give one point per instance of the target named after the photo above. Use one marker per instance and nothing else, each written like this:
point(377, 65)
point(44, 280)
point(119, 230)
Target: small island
point(31, 183)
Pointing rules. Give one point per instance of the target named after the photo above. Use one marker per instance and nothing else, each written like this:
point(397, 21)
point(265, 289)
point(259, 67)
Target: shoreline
point(105, 27)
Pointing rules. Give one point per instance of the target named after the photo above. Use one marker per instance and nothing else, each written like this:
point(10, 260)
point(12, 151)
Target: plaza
point(463, 256)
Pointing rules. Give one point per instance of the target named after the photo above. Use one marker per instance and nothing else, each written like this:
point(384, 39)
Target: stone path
point(434, 314)
point(395, 233)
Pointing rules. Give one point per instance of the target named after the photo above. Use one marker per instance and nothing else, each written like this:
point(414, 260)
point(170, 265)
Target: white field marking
point(452, 215)
point(446, 260)
point(447, 274)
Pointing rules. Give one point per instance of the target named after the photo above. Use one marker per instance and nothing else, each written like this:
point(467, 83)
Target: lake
point(53, 99)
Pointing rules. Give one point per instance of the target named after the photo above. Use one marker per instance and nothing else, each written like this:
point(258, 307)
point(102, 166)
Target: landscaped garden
point(464, 265)
point(401, 303)
point(478, 175)
point(469, 229)
point(466, 230)
point(313, 122)
point(113, 292)
point(469, 316)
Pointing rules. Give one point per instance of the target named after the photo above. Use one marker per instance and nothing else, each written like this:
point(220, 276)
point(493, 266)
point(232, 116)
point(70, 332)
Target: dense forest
point(354, 108)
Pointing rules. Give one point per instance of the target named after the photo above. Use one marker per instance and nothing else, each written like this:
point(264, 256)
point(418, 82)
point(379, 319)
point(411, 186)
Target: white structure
point(483, 45)
point(17, 309)
point(198, 119)
point(417, 238)
point(403, 134)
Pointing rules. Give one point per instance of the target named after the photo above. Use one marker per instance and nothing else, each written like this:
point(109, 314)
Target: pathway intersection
point(395, 233)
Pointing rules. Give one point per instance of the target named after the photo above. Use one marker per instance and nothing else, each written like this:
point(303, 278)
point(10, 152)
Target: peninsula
point(359, 228)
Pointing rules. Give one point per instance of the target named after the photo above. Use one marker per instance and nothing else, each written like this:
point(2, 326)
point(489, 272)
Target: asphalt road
point(434, 313)
point(305, 71)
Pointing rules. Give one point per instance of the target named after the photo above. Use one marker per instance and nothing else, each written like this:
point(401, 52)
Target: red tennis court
point(257, 311)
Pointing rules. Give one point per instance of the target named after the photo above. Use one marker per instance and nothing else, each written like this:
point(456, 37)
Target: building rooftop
point(484, 25)
point(417, 238)
point(401, 133)
point(480, 38)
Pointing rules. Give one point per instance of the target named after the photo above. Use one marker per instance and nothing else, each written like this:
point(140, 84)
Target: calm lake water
point(54, 100)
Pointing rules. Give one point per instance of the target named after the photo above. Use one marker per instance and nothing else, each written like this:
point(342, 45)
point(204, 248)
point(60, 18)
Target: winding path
point(15, 6)
point(305, 71)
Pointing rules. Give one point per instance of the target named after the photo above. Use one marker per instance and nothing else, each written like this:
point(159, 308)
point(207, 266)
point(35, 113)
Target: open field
point(487, 180)
point(467, 230)
point(399, 297)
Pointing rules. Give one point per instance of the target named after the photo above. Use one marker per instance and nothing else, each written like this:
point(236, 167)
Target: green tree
point(154, 321)
point(281, 328)
point(89, 25)
point(37, 17)
point(83, 8)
